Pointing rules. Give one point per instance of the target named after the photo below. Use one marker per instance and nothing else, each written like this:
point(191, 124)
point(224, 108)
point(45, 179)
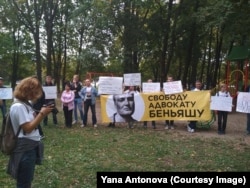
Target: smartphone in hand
point(51, 104)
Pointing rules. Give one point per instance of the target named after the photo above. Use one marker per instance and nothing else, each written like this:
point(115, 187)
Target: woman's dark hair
point(67, 83)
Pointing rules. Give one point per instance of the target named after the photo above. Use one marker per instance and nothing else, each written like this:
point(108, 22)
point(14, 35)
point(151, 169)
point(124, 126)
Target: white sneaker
point(95, 125)
point(172, 127)
point(82, 126)
point(74, 122)
point(188, 128)
point(166, 127)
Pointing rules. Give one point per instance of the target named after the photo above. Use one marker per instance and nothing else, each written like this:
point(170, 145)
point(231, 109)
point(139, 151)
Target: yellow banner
point(189, 105)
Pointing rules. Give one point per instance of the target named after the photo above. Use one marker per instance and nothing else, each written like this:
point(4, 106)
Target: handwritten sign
point(110, 85)
point(221, 103)
point(243, 102)
point(172, 87)
point(50, 92)
point(132, 79)
point(6, 93)
point(151, 87)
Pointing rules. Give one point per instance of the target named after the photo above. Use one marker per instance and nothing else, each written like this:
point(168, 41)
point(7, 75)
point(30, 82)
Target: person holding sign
point(169, 123)
point(192, 124)
point(248, 115)
point(222, 115)
point(2, 101)
point(48, 82)
point(132, 89)
point(145, 122)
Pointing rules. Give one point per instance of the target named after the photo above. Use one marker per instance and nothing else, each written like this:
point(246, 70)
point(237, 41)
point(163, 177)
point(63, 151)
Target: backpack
point(8, 138)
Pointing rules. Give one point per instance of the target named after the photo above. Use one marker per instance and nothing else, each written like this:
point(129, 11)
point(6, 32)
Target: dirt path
point(236, 126)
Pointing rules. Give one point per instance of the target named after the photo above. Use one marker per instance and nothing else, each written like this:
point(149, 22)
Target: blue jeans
point(78, 105)
point(248, 122)
point(26, 169)
point(88, 104)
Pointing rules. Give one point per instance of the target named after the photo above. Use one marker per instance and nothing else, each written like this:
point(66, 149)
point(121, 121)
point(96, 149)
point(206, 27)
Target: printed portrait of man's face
point(124, 104)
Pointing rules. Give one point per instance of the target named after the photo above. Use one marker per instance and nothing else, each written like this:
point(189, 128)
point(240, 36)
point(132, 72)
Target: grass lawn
point(73, 156)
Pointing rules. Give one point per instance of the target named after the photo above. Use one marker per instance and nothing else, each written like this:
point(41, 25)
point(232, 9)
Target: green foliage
point(154, 37)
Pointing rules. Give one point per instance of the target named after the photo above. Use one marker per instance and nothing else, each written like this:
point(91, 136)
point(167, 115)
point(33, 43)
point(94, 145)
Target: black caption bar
point(173, 179)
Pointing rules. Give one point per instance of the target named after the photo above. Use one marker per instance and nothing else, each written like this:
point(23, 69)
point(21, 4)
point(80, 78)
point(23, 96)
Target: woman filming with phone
point(29, 148)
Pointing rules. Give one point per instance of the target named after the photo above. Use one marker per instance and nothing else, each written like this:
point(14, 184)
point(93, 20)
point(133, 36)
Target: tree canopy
point(187, 39)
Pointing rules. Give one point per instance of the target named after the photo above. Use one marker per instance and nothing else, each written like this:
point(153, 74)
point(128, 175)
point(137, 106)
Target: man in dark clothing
point(37, 106)
point(248, 114)
point(48, 82)
point(192, 124)
point(2, 101)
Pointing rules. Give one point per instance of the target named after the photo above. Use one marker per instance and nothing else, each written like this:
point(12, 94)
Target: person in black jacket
point(48, 82)
point(192, 124)
point(222, 115)
point(2, 101)
point(248, 114)
point(37, 106)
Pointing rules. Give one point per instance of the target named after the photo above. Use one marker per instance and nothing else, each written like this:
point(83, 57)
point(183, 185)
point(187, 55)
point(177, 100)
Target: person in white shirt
point(192, 124)
point(29, 149)
point(222, 115)
point(89, 94)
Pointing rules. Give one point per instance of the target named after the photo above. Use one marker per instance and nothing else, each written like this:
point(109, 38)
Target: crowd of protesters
point(83, 96)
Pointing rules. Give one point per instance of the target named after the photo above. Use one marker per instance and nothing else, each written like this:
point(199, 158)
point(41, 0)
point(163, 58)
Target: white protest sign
point(110, 85)
point(132, 79)
point(50, 92)
point(243, 102)
point(172, 87)
point(149, 87)
point(6, 93)
point(221, 103)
